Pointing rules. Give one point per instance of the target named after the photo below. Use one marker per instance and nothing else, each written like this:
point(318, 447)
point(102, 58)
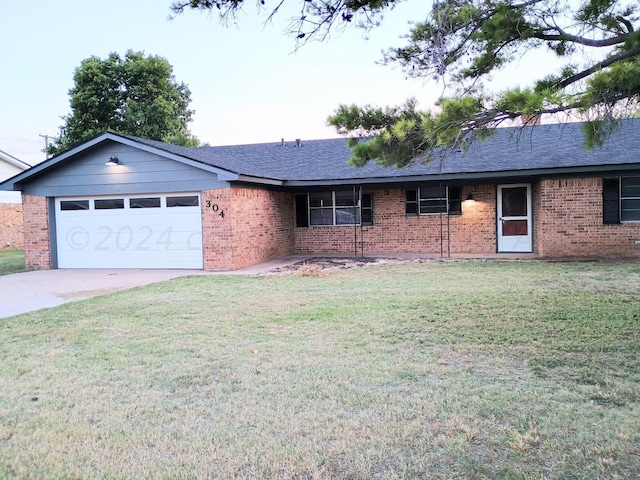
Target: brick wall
point(257, 226)
point(392, 231)
point(11, 226)
point(36, 232)
point(568, 222)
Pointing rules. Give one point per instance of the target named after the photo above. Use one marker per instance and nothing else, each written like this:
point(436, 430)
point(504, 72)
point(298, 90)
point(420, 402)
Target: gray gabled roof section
point(516, 151)
point(511, 152)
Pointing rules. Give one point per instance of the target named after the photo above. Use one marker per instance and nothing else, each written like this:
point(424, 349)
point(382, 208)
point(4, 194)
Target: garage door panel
point(129, 237)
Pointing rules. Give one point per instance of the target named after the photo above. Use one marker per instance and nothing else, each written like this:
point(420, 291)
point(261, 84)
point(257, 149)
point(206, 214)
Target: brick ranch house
point(11, 234)
point(122, 202)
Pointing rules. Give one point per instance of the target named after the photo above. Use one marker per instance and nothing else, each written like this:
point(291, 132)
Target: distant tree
point(463, 42)
point(135, 95)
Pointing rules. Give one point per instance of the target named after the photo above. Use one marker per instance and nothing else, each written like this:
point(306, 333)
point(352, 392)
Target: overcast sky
point(247, 83)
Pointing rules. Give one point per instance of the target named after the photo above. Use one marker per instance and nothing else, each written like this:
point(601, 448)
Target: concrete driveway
point(30, 291)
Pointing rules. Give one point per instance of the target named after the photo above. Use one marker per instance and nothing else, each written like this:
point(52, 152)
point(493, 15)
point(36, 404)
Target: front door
point(514, 218)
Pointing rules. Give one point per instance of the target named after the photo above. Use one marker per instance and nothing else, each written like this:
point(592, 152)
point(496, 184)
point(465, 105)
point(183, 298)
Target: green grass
point(438, 370)
point(11, 261)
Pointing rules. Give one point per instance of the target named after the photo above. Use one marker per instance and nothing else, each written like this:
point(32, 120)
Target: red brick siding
point(217, 241)
point(257, 226)
point(37, 245)
point(568, 222)
point(11, 226)
point(393, 232)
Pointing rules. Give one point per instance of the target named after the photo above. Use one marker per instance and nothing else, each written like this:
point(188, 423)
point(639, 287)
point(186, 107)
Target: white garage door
point(139, 231)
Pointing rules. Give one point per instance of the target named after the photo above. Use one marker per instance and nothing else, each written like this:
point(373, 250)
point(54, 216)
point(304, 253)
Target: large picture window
point(339, 207)
point(432, 199)
point(621, 200)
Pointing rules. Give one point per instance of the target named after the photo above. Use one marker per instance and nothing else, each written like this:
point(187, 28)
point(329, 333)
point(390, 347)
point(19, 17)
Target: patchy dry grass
point(310, 270)
point(461, 370)
point(11, 261)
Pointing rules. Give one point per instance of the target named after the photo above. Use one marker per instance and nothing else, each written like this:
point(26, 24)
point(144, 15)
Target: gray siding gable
point(139, 171)
point(142, 169)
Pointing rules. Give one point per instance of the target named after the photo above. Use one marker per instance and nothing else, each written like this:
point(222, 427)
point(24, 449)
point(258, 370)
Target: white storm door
point(514, 219)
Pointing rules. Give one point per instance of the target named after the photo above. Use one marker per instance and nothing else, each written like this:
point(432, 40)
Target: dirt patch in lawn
point(321, 265)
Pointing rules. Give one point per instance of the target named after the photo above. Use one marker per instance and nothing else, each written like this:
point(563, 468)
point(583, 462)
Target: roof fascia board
point(468, 176)
point(261, 180)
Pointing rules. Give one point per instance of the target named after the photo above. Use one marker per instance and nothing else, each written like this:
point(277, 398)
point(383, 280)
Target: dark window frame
point(615, 202)
point(418, 202)
point(627, 213)
point(338, 202)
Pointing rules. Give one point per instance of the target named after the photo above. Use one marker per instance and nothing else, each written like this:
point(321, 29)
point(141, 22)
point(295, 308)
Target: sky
point(247, 82)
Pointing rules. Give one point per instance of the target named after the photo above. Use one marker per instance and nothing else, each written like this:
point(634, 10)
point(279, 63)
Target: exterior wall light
point(113, 160)
point(469, 198)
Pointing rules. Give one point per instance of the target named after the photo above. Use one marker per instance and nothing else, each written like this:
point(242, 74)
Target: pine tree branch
point(599, 66)
point(588, 42)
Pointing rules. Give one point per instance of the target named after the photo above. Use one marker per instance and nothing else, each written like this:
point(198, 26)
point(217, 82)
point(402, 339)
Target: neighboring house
point(11, 235)
point(532, 190)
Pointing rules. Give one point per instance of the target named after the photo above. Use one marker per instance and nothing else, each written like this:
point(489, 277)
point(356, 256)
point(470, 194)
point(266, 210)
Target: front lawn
point(437, 370)
point(11, 261)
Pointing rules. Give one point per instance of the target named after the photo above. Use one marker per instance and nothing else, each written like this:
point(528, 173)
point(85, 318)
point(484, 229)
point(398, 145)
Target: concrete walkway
point(30, 291)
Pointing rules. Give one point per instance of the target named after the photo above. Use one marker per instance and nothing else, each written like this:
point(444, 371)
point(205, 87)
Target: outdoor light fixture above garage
point(113, 160)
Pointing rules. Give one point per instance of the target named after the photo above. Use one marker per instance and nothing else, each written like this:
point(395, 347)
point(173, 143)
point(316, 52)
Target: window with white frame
point(337, 207)
point(433, 199)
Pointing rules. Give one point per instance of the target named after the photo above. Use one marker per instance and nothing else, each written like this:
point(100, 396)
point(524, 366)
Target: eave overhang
point(470, 176)
point(260, 180)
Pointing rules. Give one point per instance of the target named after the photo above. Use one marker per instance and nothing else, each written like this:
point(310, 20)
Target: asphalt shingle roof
point(517, 149)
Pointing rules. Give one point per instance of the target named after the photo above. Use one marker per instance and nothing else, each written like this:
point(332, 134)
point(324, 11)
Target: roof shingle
point(515, 149)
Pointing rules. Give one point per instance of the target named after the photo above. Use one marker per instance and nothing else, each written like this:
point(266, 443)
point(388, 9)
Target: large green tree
point(135, 95)
point(464, 42)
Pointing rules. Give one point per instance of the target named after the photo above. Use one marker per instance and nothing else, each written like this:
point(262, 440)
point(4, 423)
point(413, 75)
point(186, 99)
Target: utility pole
point(46, 144)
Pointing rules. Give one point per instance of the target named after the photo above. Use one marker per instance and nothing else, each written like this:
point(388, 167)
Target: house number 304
point(214, 207)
